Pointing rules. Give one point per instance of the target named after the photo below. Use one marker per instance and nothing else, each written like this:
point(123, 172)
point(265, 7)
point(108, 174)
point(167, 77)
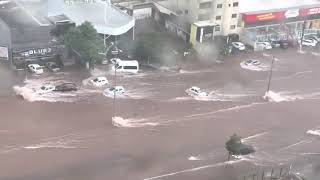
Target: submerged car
point(52, 66)
point(309, 42)
point(197, 91)
point(265, 45)
point(251, 62)
point(99, 81)
point(117, 90)
point(238, 45)
point(35, 68)
point(46, 89)
point(66, 87)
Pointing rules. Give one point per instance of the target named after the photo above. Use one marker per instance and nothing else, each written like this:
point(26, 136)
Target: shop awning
point(106, 18)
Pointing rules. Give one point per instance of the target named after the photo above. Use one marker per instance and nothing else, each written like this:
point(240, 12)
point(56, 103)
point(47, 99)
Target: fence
point(267, 174)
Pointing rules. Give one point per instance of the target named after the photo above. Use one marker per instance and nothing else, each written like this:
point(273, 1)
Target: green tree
point(85, 40)
point(234, 146)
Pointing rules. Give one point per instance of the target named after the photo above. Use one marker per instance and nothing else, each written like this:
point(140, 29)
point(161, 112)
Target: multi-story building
point(207, 18)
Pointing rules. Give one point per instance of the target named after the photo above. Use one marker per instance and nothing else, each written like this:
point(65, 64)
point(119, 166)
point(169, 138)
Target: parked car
point(35, 68)
point(309, 42)
point(99, 81)
point(252, 62)
point(238, 45)
point(283, 44)
point(52, 66)
point(314, 37)
point(46, 88)
point(197, 91)
point(265, 45)
point(117, 90)
point(66, 87)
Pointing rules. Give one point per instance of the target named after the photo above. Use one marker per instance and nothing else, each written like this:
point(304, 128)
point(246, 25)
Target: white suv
point(35, 68)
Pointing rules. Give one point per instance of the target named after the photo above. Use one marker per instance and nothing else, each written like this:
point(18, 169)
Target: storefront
point(35, 55)
point(280, 25)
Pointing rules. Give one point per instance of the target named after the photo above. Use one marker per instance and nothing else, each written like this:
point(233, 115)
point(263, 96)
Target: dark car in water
point(66, 87)
point(283, 44)
point(52, 66)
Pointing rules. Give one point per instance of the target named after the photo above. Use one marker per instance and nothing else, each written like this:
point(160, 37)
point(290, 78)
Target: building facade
point(207, 18)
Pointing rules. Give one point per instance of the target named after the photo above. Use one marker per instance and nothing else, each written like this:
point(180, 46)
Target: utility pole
point(114, 92)
point(302, 33)
point(270, 75)
point(116, 52)
point(26, 72)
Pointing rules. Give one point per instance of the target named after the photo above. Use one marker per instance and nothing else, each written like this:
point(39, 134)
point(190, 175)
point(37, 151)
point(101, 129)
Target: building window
point(217, 28)
point(235, 4)
point(234, 16)
point(218, 17)
point(219, 5)
point(232, 26)
point(204, 17)
point(205, 5)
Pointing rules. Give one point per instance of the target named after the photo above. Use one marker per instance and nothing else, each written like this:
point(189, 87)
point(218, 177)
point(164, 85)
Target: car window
point(43, 88)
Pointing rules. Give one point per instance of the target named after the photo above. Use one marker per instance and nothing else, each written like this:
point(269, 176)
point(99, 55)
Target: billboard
point(4, 54)
point(280, 15)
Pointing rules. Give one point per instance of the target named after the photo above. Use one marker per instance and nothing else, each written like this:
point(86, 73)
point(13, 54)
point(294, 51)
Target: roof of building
point(15, 17)
point(261, 6)
point(106, 18)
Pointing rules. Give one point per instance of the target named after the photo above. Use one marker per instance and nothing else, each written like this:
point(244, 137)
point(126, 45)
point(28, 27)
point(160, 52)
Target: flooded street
point(160, 131)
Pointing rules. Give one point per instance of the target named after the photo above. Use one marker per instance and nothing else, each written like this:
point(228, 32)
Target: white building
point(208, 18)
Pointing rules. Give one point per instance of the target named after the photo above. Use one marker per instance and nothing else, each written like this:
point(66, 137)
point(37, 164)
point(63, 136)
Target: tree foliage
point(235, 147)
point(85, 40)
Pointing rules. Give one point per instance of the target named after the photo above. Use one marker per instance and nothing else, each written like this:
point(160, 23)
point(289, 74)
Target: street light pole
point(302, 33)
point(26, 72)
point(114, 92)
point(270, 74)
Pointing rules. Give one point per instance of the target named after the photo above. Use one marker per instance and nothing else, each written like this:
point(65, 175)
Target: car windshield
point(38, 68)
point(112, 89)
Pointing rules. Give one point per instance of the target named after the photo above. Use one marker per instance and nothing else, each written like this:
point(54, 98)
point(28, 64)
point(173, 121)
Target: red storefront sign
point(251, 18)
point(280, 15)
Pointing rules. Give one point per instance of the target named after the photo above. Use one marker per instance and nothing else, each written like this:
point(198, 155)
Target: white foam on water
point(314, 132)
point(194, 158)
point(192, 169)
point(216, 96)
point(253, 136)
point(235, 108)
point(315, 53)
point(131, 123)
point(99, 72)
point(254, 67)
point(185, 98)
point(302, 142)
point(278, 97)
point(297, 74)
point(266, 54)
point(86, 82)
point(48, 146)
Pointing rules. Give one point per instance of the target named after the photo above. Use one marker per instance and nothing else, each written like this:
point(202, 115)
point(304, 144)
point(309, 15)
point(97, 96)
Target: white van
point(127, 66)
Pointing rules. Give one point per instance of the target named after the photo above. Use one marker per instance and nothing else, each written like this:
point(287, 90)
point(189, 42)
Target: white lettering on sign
point(314, 11)
point(291, 13)
point(36, 52)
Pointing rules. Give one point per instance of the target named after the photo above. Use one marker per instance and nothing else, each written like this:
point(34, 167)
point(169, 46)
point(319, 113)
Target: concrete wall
point(30, 37)
point(5, 37)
